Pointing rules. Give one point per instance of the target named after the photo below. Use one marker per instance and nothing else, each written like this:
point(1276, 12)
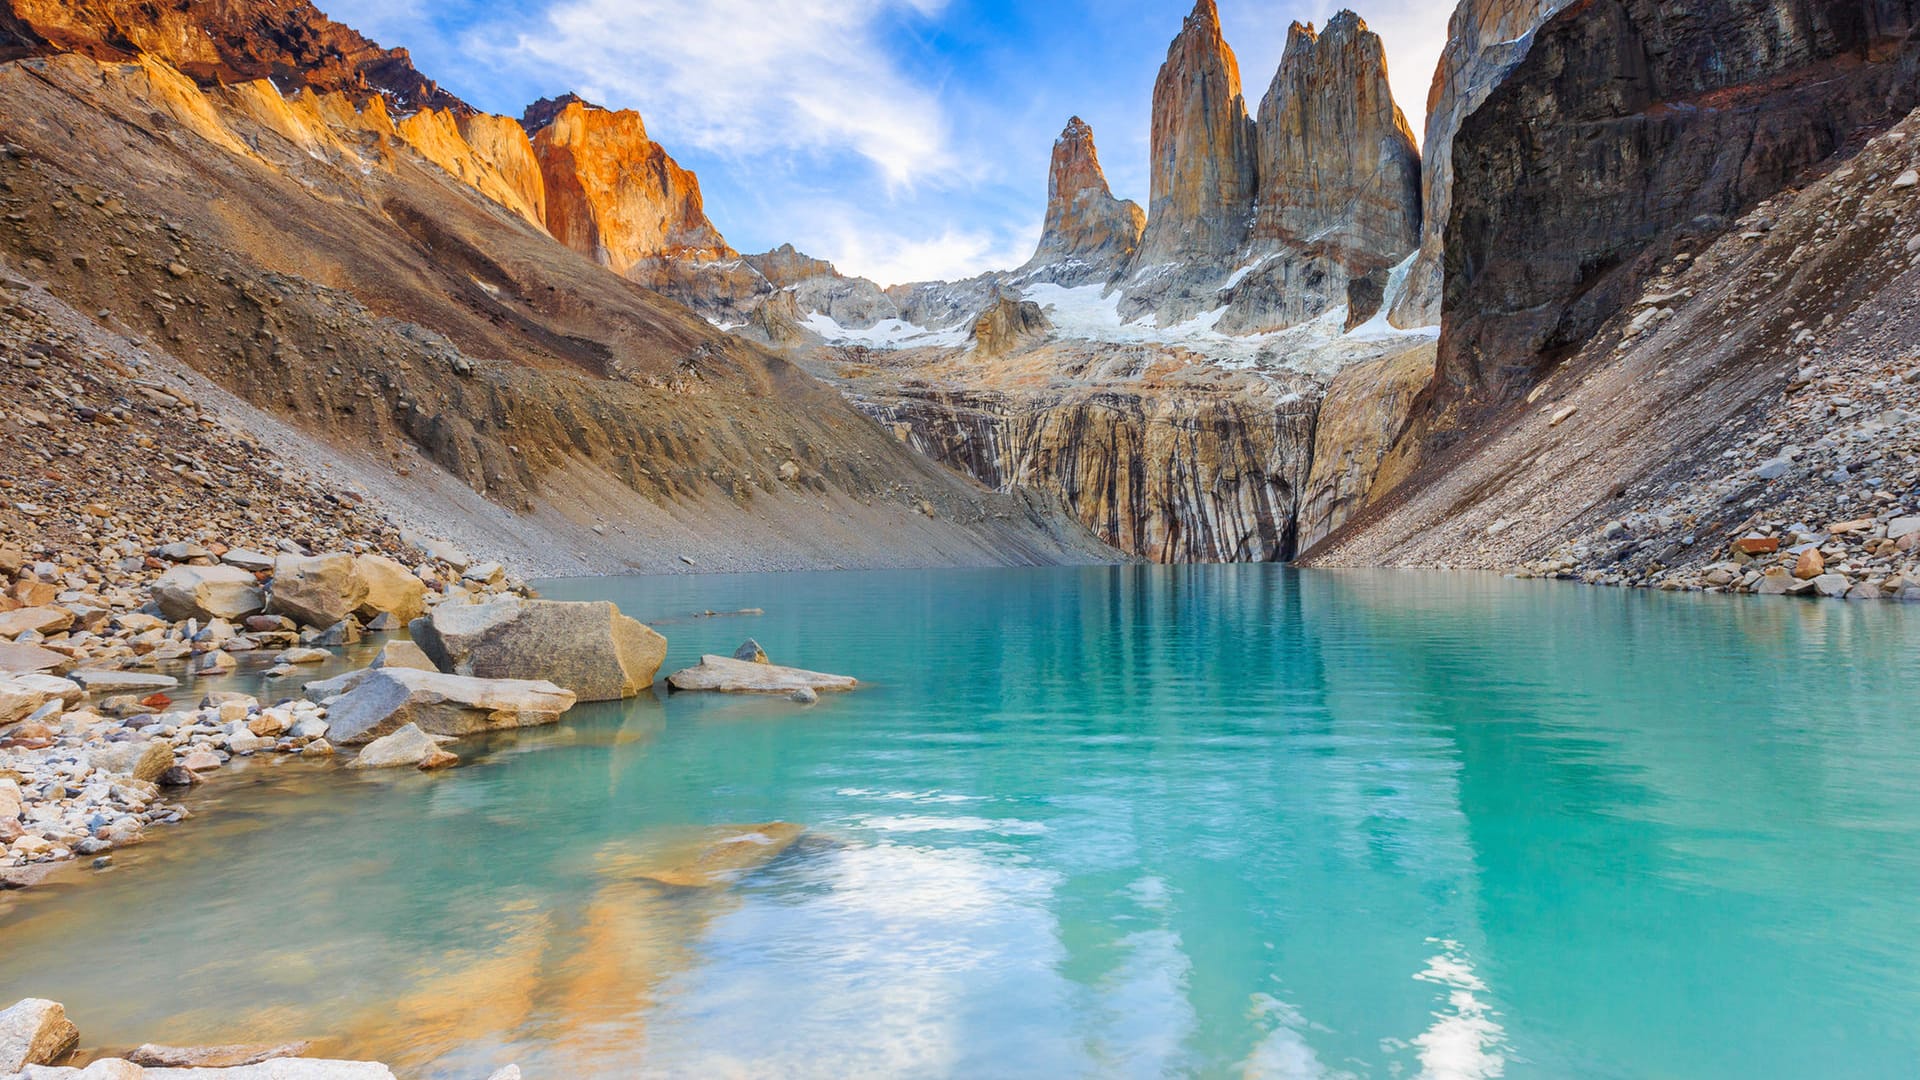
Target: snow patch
point(886, 334)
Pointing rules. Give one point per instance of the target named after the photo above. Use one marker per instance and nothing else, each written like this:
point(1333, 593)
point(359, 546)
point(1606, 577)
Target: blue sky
point(902, 139)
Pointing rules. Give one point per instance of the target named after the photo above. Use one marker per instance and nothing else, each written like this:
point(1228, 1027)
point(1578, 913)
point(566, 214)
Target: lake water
point(1128, 822)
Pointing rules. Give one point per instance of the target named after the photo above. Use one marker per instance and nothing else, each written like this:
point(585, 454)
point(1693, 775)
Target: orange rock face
point(1204, 179)
point(613, 194)
point(1089, 234)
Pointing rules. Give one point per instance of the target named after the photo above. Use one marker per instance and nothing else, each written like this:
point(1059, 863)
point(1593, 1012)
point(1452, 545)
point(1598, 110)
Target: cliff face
point(1485, 39)
point(1089, 235)
point(1160, 457)
point(1339, 179)
point(1204, 178)
point(1630, 124)
point(613, 194)
point(217, 42)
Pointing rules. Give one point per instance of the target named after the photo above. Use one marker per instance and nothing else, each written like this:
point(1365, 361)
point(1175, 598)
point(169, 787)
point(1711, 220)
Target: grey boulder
point(589, 648)
point(388, 699)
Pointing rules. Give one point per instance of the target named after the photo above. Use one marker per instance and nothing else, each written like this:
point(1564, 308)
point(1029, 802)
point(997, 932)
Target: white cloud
point(745, 77)
point(867, 250)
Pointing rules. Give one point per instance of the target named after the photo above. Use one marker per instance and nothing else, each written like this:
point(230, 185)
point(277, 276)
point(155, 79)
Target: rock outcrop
point(1485, 39)
point(1089, 235)
point(1632, 124)
point(1007, 325)
point(1360, 421)
point(35, 1031)
point(1204, 171)
point(589, 648)
point(613, 194)
point(1339, 180)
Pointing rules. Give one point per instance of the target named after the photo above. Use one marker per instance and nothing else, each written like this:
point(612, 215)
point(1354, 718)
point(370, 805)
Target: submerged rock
point(727, 675)
point(589, 648)
point(389, 699)
point(723, 854)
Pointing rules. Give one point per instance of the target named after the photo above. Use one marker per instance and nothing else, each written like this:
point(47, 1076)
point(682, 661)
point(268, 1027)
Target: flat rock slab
point(730, 676)
point(154, 1055)
point(389, 699)
point(278, 1069)
point(15, 658)
point(121, 682)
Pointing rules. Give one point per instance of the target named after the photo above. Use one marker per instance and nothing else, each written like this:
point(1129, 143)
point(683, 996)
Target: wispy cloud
point(747, 77)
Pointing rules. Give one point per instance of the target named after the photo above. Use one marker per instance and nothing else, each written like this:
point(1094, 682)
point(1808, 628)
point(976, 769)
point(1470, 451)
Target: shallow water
point(1230, 821)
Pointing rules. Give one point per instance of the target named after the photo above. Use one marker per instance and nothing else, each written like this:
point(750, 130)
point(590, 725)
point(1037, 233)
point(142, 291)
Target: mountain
point(1681, 264)
point(1089, 235)
point(365, 265)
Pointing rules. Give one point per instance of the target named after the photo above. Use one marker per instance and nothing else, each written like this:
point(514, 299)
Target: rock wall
point(1629, 125)
point(1089, 235)
point(1360, 421)
point(1485, 39)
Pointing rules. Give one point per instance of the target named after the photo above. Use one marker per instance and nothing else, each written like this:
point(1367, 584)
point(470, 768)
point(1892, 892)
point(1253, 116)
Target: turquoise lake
point(1109, 822)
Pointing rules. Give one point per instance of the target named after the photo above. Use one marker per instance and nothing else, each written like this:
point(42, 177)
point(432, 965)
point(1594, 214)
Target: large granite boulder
point(392, 589)
point(207, 592)
point(589, 648)
point(318, 590)
point(35, 1032)
point(727, 675)
point(389, 699)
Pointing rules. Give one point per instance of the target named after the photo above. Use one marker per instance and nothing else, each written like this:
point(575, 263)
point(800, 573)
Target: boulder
point(392, 589)
point(389, 699)
point(318, 590)
point(321, 689)
point(43, 620)
point(142, 761)
point(589, 648)
point(751, 652)
point(407, 747)
point(207, 592)
point(403, 654)
point(246, 559)
point(35, 1032)
point(727, 675)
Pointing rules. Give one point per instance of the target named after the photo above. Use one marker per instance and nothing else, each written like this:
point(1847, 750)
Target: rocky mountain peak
point(1203, 154)
point(1338, 165)
point(1089, 234)
point(544, 112)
